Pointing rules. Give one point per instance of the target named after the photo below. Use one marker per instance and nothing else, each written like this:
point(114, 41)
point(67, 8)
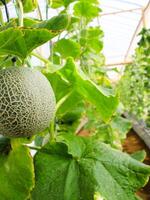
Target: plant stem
point(49, 2)
point(52, 125)
point(1, 18)
point(6, 9)
point(39, 12)
point(20, 12)
point(51, 50)
point(52, 130)
point(47, 6)
point(28, 62)
point(62, 100)
point(7, 13)
point(32, 147)
point(40, 57)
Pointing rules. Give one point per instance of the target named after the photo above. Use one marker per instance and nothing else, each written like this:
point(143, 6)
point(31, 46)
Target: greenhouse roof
point(121, 21)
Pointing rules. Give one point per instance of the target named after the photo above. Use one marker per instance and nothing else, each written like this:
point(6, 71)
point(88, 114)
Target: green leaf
point(67, 48)
point(29, 5)
point(36, 37)
point(70, 112)
point(73, 101)
point(91, 1)
point(7, 1)
point(29, 22)
point(16, 173)
point(91, 38)
point(4, 145)
point(59, 22)
point(139, 155)
point(71, 118)
point(86, 9)
point(95, 44)
point(60, 85)
point(7, 61)
point(72, 23)
point(60, 3)
point(92, 32)
point(56, 58)
point(12, 23)
point(21, 41)
point(105, 104)
point(69, 79)
point(72, 107)
point(79, 168)
point(121, 125)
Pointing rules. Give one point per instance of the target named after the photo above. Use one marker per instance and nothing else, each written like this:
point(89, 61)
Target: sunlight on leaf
point(21, 41)
point(91, 168)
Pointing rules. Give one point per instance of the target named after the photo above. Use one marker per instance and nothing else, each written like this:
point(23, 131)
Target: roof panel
point(119, 28)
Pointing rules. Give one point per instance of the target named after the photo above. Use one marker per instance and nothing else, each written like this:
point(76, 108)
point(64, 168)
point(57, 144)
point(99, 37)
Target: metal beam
point(117, 64)
point(140, 24)
point(121, 11)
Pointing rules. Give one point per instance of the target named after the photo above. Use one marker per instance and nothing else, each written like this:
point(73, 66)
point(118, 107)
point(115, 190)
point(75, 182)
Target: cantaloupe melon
point(27, 102)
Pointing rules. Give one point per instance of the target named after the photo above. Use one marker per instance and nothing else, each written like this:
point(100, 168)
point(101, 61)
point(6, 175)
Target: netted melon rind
point(27, 102)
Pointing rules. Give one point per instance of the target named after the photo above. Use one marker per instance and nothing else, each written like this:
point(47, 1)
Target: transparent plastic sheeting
point(118, 28)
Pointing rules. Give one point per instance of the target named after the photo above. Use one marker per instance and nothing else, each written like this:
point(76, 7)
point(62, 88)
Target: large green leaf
point(16, 173)
point(86, 9)
point(12, 23)
point(56, 23)
point(92, 33)
point(29, 5)
point(95, 44)
point(60, 3)
point(21, 41)
point(70, 112)
point(73, 101)
point(73, 22)
point(69, 79)
point(67, 48)
point(70, 104)
point(105, 103)
point(78, 168)
point(60, 86)
point(91, 38)
point(59, 22)
point(29, 22)
point(91, 1)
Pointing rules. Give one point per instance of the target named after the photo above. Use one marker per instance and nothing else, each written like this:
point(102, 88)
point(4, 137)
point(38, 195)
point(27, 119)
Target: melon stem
point(52, 130)
point(1, 18)
point(20, 12)
point(39, 12)
point(40, 57)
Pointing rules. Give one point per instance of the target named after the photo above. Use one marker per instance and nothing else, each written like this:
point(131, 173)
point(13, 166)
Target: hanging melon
point(27, 102)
